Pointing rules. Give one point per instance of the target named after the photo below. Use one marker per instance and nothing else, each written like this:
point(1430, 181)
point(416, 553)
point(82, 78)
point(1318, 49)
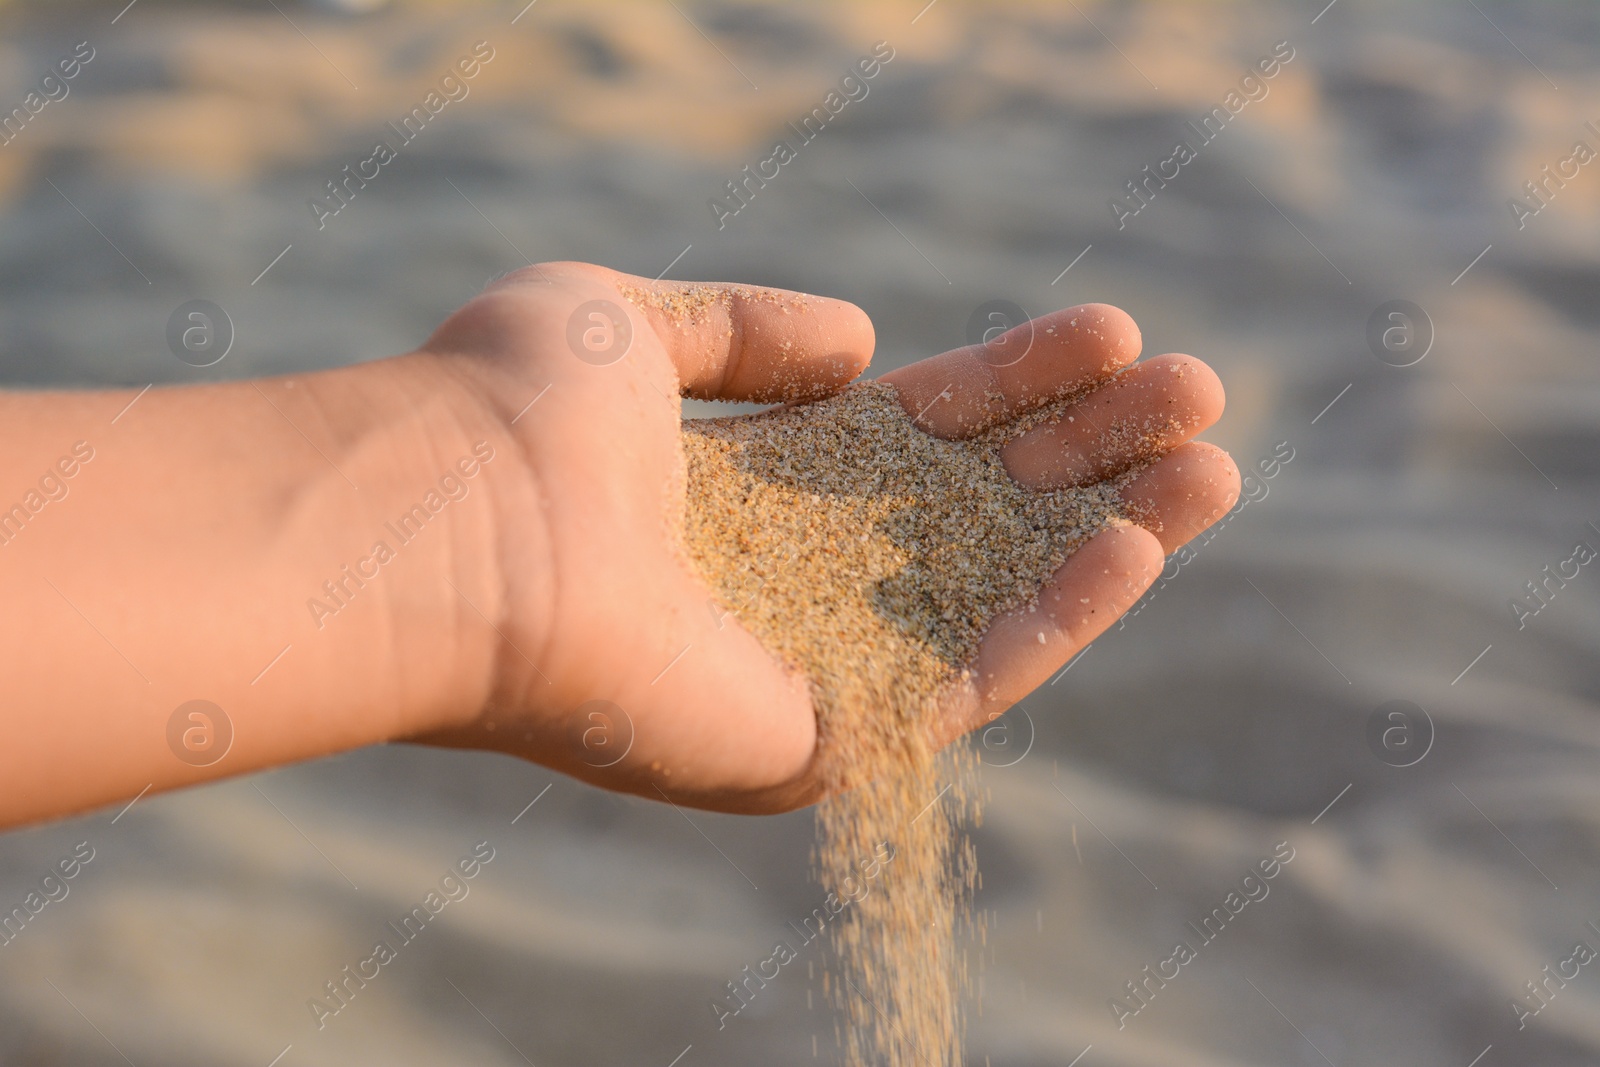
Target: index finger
point(968, 390)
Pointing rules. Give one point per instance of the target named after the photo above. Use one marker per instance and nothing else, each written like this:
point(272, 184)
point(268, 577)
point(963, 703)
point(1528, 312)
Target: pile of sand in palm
point(872, 557)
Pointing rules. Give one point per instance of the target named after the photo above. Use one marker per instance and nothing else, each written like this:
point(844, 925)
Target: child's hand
point(598, 607)
point(216, 579)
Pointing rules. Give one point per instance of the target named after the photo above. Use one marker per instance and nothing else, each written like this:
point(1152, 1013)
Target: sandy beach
point(1413, 529)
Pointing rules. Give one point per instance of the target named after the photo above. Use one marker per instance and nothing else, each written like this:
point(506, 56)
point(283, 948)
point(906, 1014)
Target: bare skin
point(187, 556)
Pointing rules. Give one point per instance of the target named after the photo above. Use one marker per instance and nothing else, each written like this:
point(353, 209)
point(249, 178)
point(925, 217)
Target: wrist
point(223, 548)
point(439, 473)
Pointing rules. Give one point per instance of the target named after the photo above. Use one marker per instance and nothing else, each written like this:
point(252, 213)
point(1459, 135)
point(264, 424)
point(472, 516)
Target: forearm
point(257, 545)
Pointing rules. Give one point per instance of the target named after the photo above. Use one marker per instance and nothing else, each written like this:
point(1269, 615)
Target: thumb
point(743, 342)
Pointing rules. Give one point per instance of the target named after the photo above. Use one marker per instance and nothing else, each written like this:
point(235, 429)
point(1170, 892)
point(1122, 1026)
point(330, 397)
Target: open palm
point(616, 666)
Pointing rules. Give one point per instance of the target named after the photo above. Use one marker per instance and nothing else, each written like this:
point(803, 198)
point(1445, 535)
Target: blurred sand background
point(1166, 762)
